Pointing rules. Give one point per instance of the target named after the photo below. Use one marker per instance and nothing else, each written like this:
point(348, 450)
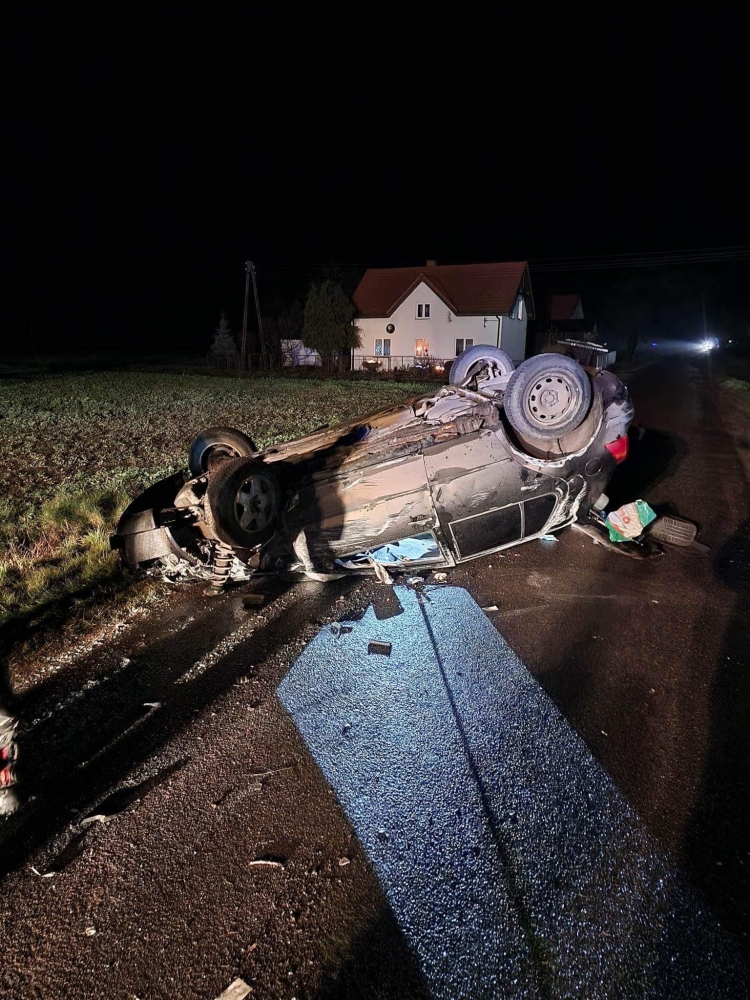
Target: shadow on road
point(717, 846)
point(652, 460)
point(380, 965)
point(76, 751)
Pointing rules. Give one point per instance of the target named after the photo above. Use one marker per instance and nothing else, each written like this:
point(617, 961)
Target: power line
point(644, 253)
point(642, 262)
point(556, 263)
point(588, 262)
point(664, 258)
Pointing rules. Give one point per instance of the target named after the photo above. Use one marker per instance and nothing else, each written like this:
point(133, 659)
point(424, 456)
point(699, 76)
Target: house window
point(423, 310)
point(422, 347)
point(518, 309)
point(463, 345)
point(383, 347)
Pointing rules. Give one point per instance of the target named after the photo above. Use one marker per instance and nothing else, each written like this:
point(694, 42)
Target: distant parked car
point(499, 456)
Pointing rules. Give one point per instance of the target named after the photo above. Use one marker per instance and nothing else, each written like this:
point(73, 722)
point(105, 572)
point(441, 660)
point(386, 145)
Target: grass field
point(77, 447)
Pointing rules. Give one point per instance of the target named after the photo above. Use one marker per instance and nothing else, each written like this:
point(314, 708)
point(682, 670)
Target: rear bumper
point(140, 538)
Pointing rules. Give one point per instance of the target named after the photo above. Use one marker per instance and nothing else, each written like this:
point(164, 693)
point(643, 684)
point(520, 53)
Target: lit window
point(423, 310)
point(422, 347)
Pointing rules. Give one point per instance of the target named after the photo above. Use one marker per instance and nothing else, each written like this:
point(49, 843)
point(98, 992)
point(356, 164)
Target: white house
point(436, 311)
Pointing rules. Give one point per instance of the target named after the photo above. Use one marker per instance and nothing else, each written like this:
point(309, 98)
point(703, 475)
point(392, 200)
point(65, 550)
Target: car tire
point(244, 497)
point(216, 445)
point(673, 531)
point(469, 362)
point(547, 397)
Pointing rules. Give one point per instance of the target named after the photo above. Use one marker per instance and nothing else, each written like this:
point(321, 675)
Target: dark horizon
point(148, 165)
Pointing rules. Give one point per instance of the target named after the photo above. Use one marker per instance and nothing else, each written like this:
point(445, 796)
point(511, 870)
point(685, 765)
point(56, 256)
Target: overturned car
point(499, 456)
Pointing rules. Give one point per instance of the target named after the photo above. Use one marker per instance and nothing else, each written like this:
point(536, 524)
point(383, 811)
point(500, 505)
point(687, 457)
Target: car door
point(486, 500)
point(350, 512)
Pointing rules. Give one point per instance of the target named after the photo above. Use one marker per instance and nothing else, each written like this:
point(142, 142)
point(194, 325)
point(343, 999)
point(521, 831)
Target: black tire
point(473, 359)
point(244, 495)
point(673, 531)
point(216, 445)
point(547, 397)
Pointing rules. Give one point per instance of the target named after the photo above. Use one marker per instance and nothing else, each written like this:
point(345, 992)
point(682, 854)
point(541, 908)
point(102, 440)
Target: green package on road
point(628, 522)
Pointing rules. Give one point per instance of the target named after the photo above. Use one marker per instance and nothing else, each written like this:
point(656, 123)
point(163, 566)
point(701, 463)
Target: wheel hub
point(549, 399)
point(255, 503)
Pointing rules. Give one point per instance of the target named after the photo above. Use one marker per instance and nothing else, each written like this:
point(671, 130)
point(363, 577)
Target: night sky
point(151, 154)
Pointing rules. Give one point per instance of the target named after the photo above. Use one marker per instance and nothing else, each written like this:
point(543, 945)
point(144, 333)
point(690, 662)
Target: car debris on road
point(635, 529)
point(628, 522)
point(500, 456)
point(253, 600)
point(237, 990)
point(8, 755)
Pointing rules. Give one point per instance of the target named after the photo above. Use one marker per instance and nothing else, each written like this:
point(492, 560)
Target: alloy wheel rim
point(255, 503)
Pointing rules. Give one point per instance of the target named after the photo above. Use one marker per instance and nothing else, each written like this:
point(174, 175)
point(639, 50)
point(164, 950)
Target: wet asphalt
point(547, 799)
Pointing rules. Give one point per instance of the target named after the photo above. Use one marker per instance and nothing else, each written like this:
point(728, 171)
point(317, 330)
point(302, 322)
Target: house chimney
point(431, 263)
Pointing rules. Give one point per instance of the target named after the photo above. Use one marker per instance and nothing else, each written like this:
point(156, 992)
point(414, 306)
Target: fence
point(289, 362)
point(401, 362)
point(588, 353)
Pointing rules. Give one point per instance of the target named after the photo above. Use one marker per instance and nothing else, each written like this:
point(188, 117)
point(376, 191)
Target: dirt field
point(77, 446)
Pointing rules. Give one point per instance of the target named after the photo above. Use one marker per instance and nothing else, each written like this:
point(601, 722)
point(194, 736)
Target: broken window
point(421, 548)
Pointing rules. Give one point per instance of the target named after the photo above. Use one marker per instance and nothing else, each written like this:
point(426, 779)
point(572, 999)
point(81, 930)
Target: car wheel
point(471, 361)
point(547, 397)
point(673, 531)
point(244, 496)
point(216, 445)
point(572, 441)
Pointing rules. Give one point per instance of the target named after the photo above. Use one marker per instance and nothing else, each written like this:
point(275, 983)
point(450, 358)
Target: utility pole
point(257, 312)
point(243, 349)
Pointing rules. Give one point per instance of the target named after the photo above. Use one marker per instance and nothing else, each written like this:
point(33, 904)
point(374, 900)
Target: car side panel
point(352, 512)
point(480, 495)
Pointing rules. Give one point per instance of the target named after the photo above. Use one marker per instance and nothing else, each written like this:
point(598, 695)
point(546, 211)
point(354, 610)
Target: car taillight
point(618, 449)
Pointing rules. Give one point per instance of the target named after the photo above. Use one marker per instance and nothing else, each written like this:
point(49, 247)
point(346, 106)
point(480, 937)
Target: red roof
point(468, 289)
point(562, 307)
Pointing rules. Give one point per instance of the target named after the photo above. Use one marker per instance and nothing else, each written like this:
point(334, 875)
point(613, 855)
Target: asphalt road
point(550, 799)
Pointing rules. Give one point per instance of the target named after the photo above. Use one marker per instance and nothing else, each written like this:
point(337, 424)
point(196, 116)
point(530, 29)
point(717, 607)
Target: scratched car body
point(438, 480)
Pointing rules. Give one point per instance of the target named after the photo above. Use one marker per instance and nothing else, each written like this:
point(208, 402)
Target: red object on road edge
point(618, 448)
